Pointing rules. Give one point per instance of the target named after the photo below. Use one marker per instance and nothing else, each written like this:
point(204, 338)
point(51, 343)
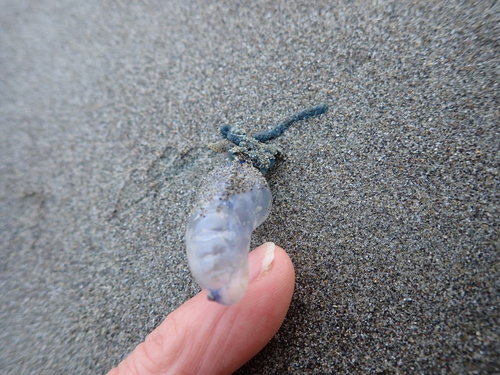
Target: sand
point(387, 204)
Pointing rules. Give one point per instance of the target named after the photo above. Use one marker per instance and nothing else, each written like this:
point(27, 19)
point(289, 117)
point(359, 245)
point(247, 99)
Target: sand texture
point(387, 204)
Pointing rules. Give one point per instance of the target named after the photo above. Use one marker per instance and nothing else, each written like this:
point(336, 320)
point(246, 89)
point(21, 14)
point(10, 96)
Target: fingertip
point(243, 329)
point(203, 336)
point(272, 261)
point(286, 264)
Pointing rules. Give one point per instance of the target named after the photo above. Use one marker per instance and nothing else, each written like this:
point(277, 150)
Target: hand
point(203, 337)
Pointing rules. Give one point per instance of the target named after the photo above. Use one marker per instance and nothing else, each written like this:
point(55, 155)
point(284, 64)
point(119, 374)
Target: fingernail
point(267, 261)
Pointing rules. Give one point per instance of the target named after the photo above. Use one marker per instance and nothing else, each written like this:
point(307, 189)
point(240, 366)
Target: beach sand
point(387, 204)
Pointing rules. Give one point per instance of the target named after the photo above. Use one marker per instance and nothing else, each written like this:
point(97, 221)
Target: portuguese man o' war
point(235, 199)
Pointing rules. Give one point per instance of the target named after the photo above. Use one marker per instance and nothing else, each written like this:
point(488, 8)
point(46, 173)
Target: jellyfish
point(234, 200)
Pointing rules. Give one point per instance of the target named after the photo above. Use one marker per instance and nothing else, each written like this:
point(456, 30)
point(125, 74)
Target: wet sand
point(387, 204)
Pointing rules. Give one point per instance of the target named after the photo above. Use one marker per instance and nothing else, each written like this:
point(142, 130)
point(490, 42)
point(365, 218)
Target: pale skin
point(203, 337)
